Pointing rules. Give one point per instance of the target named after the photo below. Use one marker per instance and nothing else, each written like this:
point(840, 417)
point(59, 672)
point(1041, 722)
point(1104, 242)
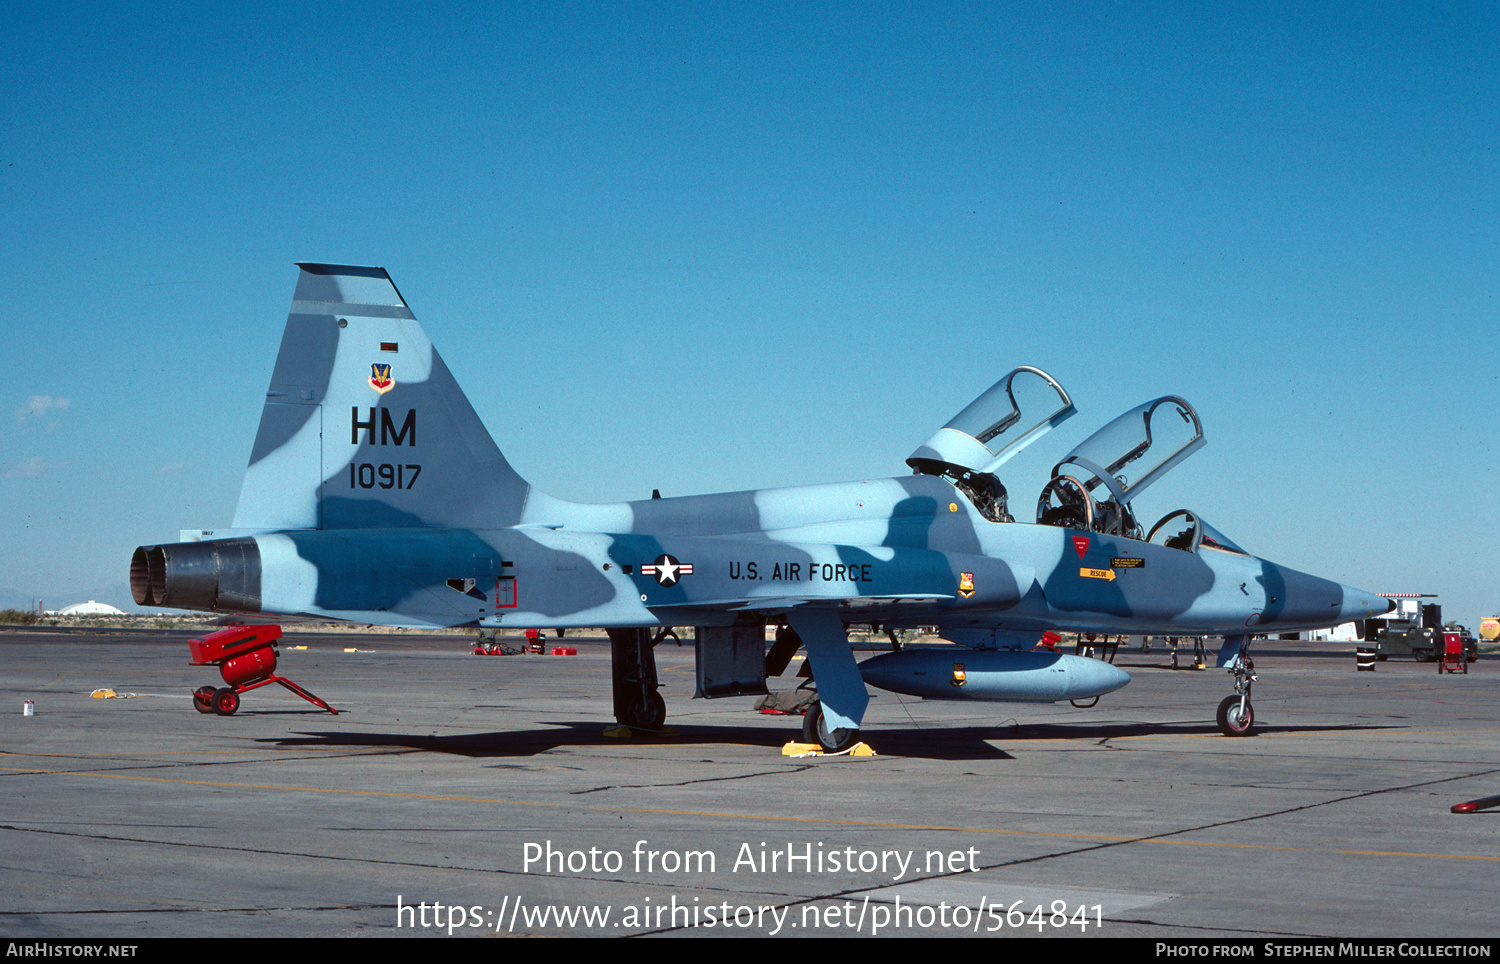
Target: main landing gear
point(1236, 717)
point(836, 675)
point(649, 712)
point(638, 705)
point(815, 729)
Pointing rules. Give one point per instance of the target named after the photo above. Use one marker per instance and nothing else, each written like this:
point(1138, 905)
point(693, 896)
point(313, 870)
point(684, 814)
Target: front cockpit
point(1092, 487)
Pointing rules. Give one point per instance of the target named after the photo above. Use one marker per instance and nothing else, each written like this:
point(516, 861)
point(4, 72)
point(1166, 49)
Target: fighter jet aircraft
point(374, 494)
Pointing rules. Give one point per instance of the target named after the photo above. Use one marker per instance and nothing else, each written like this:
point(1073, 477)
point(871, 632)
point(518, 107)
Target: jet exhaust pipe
point(217, 575)
point(956, 673)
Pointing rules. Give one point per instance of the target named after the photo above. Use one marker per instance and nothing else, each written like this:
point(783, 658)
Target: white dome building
point(90, 608)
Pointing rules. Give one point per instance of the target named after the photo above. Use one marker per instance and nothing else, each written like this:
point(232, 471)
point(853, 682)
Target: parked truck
point(1414, 629)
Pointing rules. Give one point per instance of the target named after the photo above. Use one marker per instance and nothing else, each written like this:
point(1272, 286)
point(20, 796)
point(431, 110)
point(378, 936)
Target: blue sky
point(700, 247)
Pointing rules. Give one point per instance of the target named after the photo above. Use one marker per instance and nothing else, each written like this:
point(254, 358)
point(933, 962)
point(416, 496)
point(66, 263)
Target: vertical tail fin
point(364, 426)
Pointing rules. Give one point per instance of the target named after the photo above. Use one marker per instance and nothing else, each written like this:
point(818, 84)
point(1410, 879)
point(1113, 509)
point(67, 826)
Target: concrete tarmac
point(455, 790)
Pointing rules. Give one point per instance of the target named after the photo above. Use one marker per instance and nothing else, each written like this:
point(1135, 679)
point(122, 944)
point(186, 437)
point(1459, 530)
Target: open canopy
point(1136, 449)
point(1092, 486)
point(1016, 411)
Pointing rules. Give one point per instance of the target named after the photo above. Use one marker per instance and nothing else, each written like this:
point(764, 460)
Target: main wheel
point(226, 701)
point(1231, 722)
point(203, 699)
point(647, 712)
point(815, 730)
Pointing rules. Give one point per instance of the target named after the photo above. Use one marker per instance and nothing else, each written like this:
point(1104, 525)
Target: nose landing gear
point(1236, 717)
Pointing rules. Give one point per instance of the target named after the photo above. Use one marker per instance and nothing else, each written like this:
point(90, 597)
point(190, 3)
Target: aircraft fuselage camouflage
point(374, 494)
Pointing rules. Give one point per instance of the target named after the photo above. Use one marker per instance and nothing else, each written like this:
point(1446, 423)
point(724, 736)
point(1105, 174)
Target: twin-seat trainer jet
point(374, 494)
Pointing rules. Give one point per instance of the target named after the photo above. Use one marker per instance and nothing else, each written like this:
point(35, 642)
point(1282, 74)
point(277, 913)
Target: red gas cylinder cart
point(246, 657)
point(1450, 650)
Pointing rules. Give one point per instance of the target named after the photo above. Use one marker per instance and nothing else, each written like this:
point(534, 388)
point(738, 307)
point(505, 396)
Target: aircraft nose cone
point(1359, 604)
point(1093, 677)
point(1298, 600)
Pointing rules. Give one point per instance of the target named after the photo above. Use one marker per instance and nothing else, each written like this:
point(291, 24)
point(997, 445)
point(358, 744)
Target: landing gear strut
point(1236, 716)
point(837, 677)
point(637, 703)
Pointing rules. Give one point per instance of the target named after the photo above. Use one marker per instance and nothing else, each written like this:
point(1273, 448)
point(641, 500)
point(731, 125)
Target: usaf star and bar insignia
point(667, 570)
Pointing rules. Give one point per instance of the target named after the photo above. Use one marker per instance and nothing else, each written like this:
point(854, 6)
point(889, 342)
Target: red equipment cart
point(1451, 655)
point(246, 657)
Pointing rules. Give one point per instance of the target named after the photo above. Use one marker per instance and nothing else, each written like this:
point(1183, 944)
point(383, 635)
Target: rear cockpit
point(1016, 411)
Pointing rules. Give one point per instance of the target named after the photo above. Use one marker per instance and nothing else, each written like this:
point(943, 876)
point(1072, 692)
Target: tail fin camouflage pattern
point(364, 426)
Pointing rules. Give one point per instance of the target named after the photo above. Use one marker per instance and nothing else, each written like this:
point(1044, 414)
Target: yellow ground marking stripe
point(779, 818)
point(1092, 744)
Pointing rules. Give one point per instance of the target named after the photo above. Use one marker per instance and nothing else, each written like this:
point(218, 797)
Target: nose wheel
point(1236, 716)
